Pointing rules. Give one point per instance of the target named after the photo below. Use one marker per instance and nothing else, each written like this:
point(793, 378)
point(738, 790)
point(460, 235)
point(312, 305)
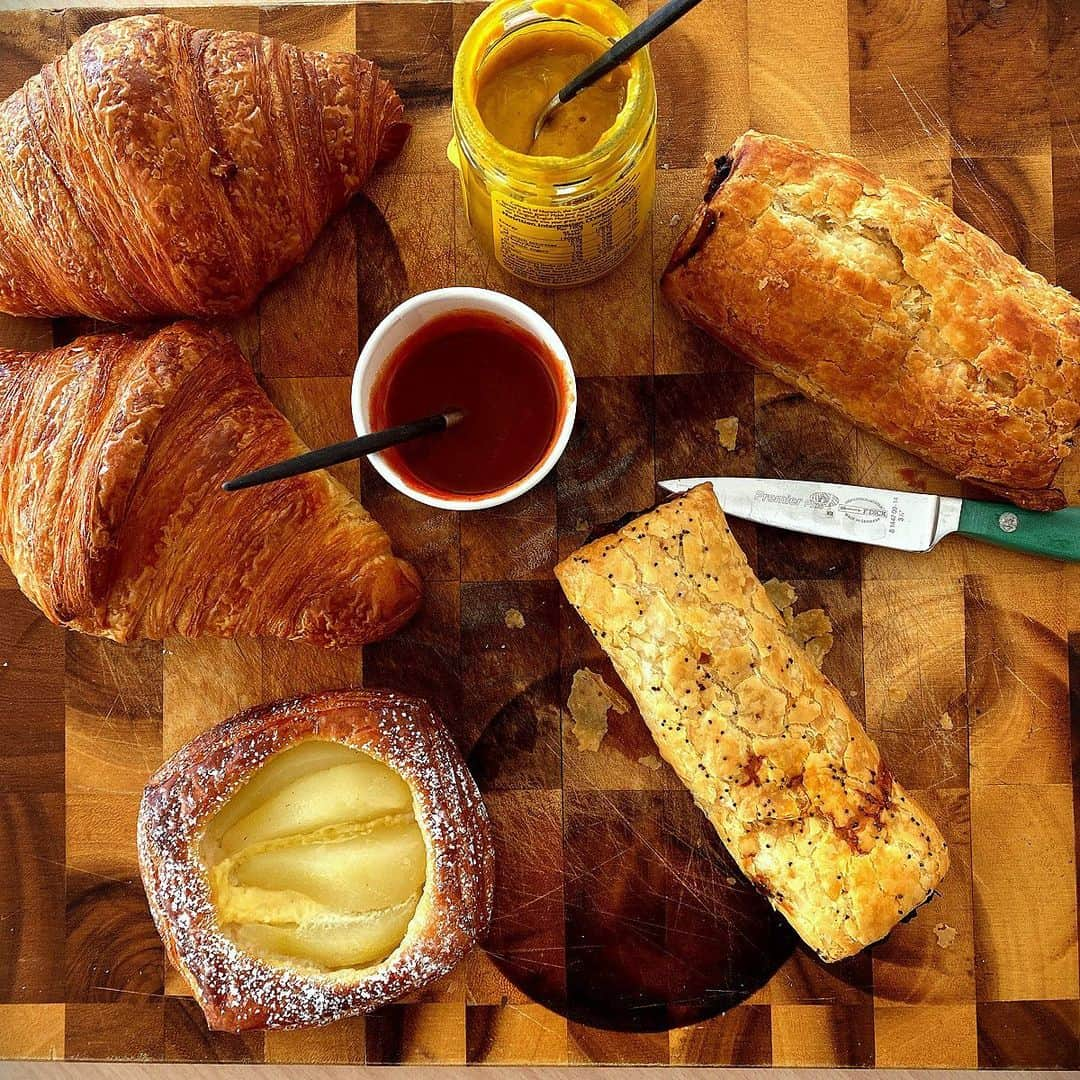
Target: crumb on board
point(651, 762)
point(675, 220)
point(727, 431)
point(818, 648)
point(945, 934)
point(589, 702)
point(898, 693)
point(810, 624)
point(514, 619)
point(780, 593)
point(946, 722)
point(812, 628)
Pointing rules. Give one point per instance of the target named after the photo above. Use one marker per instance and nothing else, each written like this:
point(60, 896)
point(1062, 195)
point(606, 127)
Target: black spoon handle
point(344, 451)
point(625, 47)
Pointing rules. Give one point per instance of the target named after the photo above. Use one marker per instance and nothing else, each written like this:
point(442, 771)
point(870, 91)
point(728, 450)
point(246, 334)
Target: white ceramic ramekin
point(409, 317)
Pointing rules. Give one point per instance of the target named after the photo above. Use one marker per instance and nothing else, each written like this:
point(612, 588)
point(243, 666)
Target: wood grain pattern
point(340, 1043)
point(926, 1037)
point(32, 1031)
point(622, 933)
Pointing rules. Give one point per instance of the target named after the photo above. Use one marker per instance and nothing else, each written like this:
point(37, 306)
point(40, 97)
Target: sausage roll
point(766, 744)
point(879, 301)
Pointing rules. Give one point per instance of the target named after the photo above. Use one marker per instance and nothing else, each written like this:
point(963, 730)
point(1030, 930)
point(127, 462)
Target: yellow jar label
point(575, 242)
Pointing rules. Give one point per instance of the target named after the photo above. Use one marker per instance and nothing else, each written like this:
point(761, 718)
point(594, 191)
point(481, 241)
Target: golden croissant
point(113, 450)
point(156, 169)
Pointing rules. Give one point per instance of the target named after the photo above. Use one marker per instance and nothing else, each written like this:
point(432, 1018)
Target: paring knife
point(909, 520)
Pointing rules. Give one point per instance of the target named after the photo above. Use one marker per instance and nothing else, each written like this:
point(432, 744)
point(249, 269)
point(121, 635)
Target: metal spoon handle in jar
point(625, 47)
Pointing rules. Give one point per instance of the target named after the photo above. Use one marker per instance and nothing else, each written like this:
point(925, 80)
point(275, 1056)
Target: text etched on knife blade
point(861, 510)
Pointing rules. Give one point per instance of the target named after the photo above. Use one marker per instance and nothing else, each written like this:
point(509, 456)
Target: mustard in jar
point(569, 207)
point(522, 77)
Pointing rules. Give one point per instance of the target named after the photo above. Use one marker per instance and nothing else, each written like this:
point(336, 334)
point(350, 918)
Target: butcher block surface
point(622, 932)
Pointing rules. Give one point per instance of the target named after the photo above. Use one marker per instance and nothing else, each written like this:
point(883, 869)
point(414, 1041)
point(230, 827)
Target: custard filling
point(317, 862)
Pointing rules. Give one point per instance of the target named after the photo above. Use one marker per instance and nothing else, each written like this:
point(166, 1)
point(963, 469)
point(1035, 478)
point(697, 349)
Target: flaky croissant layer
point(159, 170)
point(113, 450)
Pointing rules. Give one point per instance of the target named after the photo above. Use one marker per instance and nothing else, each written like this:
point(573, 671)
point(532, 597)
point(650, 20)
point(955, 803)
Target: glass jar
point(550, 220)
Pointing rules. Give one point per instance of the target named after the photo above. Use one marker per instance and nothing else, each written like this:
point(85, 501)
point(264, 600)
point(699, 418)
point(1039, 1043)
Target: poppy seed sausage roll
point(765, 743)
point(878, 301)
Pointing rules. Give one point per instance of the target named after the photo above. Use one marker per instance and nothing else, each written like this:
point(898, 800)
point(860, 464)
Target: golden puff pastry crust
point(113, 450)
point(237, 990)
point(156, 169)
point(880, 302)
point(765, 743)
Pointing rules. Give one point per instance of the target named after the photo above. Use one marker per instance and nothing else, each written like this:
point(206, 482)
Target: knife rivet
point(1008, 522)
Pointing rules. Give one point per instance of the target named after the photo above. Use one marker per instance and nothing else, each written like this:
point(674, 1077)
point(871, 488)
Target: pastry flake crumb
point(810, 624)
point(945, 934)
point(651, 762)
point(780, 593)
point(812, 629)
point(946, 722)
point(727, 431)
point(819, 647)
point(514, 619)
point(676, 220)
point(589, 702)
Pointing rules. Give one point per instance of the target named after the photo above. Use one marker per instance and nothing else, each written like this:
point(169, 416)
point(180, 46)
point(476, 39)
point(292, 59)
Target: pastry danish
point(315, 858)
point(766, 744)
point(882, 303)
point(113, 450)
point(157, 170)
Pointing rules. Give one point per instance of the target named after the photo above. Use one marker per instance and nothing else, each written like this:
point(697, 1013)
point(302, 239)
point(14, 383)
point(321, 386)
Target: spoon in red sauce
point(503, 379)
point(349, 450)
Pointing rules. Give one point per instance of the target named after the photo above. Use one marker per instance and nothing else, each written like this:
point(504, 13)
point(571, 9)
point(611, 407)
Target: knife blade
point(908, 520)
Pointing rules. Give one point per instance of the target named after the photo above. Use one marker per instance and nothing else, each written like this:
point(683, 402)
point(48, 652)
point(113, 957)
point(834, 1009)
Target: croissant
point(159, 170)
point(113, 450)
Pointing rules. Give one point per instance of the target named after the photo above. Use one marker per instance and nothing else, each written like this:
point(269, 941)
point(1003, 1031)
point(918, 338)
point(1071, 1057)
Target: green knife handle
point(1055, 533)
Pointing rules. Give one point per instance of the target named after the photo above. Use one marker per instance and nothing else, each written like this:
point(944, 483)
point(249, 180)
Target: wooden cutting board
point(622, 932)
